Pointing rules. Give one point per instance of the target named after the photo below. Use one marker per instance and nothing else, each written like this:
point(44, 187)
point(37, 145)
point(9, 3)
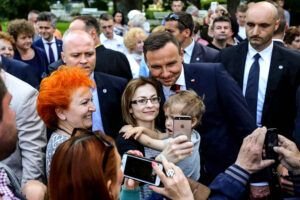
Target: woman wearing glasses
point(65, 103)
point(140, 107)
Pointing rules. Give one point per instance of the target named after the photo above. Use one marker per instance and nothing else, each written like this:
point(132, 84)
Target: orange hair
point(56, 92)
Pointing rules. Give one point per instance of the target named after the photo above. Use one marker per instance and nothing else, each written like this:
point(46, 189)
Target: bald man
point(267, 73)
point(79, 50)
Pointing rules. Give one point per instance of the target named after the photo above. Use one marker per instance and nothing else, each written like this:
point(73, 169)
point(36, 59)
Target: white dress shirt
point(180, 81)
point(97, 120)
point(188, 53)
point(264, 64)
point(242, 32)
point(116, 43)
point(53, 46)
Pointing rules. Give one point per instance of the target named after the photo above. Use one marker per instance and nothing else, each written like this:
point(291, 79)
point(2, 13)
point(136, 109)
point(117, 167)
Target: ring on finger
point(170, 173)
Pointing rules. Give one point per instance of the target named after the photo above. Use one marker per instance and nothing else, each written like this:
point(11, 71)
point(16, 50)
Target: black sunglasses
point(100, 136)
point(173, 16)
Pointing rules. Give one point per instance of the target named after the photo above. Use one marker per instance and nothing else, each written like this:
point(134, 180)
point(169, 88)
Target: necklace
point(63, 130)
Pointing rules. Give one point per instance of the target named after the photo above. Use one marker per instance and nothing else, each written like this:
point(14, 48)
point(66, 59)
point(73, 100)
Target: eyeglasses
point(99, 135)
point(144, 101)
point(175, 17)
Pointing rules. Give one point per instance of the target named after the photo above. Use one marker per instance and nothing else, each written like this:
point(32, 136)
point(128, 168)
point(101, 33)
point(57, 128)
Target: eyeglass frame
point(136, 101)
point(99, 136)
point(175, 17)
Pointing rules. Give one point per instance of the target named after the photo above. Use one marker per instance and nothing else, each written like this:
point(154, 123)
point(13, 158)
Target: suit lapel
point(197, 55)
point(276, 68)
point(58, 47)
point(241, 54)
point(103, 97)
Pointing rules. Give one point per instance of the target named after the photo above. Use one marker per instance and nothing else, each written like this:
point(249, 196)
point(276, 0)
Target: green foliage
point(12, 9)
point(100, 4)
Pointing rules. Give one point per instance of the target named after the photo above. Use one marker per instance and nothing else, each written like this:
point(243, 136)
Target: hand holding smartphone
point(140, 169)
point(182, 125)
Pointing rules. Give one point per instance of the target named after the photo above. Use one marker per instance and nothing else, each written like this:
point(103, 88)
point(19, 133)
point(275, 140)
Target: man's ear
point(277, 24)
point(93, 33)
point(62, 54)
point(187, 32)
point(60, 113)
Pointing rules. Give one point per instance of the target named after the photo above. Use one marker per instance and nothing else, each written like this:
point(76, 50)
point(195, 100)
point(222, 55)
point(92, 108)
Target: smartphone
point(140, 169)
point(271, 141)
point(182, 125)
point(213, 6)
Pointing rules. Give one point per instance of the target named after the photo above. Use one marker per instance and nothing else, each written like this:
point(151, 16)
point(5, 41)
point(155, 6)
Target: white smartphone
point(213, 6)
point(140, 169)
point(182, 125)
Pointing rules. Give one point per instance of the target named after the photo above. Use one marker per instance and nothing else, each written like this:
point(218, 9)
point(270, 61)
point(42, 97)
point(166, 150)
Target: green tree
point(19, 8)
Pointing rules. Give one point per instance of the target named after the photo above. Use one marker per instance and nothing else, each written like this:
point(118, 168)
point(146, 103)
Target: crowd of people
point(71, 106)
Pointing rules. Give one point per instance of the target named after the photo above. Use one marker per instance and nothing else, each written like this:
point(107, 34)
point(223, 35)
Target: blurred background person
point(7, 45)
point(197, 34)
point(241, 20)
point(119, 23)
point(65, 103)
point(138, 20)
point(23, 31)
point(286, 12)
point(292, 38)
point(31, 18)
point(134, 42)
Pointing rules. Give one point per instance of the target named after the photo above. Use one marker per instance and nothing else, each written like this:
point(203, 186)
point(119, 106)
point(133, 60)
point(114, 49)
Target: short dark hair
point(3, 91)
point(242, 8)
point(89, 21)
point(184, 20)
point(158, 40)
point(106, 17)
point(290, 34)
point(221, 19)
point(47, 16)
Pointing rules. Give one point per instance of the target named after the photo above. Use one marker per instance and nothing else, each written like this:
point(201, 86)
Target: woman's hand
point(175, 187)
point(136, 132)
point(177, 149)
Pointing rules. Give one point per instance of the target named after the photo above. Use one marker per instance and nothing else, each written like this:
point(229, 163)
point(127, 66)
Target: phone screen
point(271, 141)
point(182, 125)
point(140, 169)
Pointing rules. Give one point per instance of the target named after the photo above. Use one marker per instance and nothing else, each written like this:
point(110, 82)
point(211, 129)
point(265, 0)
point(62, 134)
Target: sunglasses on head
point(173, 16)
point(99, 135)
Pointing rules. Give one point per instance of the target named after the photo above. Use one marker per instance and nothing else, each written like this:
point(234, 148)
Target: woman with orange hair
point(65, 103)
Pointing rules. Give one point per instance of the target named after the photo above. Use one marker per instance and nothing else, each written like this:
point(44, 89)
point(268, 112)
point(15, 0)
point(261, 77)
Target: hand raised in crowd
point(289, 154)
point(176, 187)
point(285, 184)
point(250, 155)
point(177, 149)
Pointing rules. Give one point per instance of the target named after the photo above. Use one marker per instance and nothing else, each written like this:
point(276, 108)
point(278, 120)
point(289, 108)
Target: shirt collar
point(265, 54)
point(189, 49)
point(45, 41)
point(105, 38)
point(181, 80)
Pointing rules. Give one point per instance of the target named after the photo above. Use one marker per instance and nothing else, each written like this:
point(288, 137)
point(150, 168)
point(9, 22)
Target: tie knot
point(49, 43)
point(175, 87)
point(256, 56)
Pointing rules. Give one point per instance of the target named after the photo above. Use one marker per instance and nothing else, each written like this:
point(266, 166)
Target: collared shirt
point(53, 46)
point(188, 52)
point(180, 81)
point(5, 192)
point(97, 120)
point(242, 32)
point(264, 64)
point(115, 44)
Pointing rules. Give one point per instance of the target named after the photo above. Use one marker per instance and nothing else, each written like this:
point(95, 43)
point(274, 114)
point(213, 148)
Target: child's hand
point(136, 132)
point(125, 128)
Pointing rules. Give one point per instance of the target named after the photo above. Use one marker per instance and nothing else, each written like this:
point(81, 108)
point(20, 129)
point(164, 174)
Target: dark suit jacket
point(110, 89)
point(297, 121)
point(107, 61)
point(226, 120)
point(39, 43)
point(20, 70)
point(202, 53)
point(112, 62)
point(279, 110)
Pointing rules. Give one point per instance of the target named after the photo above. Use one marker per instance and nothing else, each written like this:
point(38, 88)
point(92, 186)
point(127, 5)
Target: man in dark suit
point(79, 50)
point(268, 73)
point(20, 70)
point(181, 25)
point(107, 60)
point(226, 120)
point(46, 23)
